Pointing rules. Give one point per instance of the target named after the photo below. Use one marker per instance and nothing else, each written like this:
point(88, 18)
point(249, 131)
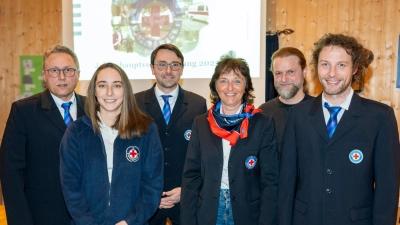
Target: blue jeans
point(224, 216)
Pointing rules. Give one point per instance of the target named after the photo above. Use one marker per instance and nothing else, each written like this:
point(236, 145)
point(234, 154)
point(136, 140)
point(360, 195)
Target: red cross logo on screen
point(155, 21)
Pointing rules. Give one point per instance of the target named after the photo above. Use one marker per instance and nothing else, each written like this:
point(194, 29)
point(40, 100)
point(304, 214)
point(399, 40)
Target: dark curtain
point(272, 45)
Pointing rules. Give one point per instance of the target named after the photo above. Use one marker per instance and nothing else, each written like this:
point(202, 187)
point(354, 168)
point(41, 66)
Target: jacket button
point(233, 198)
point(329, 171)
point(166, 149)
point(328, 190)
point(167, 164)
point(232, 181)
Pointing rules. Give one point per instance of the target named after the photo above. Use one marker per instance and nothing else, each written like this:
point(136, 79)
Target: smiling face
point(230, 88)
point(109, 91)
point(335, 72)
point(167, 80)
point(288, 77)
point(60, 86)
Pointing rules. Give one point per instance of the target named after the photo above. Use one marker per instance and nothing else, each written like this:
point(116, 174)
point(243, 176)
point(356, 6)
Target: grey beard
point(287, 94)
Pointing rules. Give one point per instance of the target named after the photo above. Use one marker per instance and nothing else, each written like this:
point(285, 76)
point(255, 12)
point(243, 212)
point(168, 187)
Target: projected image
point(142, 25)
point(125, 32)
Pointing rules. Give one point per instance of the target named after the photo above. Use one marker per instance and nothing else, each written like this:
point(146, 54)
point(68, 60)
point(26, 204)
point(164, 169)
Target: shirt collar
point(345, 104)
point(173, 93)
point(58, 101)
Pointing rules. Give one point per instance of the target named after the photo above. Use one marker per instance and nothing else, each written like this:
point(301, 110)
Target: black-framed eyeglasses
point(54, 72)
point(175, 66)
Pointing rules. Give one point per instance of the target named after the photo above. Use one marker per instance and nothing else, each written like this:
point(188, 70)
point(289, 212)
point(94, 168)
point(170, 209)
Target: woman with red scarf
point(231, 169)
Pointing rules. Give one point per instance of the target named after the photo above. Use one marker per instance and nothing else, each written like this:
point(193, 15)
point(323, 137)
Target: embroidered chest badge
point(132, 154)
point(356, 156)
point(187, 134)
point(250, 162)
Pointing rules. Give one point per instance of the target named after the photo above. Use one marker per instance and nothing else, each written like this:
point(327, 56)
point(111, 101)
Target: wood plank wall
point(26, 28)
point(375, 23)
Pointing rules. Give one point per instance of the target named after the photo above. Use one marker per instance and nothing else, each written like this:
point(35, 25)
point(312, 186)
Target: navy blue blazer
point(253, 190)
point(174, 136)
point(352, 178)
point(30, 161)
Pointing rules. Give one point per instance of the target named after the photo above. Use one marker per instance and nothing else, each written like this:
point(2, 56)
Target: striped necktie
point(332, 122)
point(67, 116)
point(166, 109)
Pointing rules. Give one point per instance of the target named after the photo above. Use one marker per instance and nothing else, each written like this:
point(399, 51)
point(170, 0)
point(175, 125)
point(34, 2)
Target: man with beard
point(340, 160)
point(289, 69)
point(173, 110)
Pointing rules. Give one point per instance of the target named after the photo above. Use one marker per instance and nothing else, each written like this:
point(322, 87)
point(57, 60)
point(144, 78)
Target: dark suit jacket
point(30, 161)
point(253, 191)
point(320, 185)
point(188, 105)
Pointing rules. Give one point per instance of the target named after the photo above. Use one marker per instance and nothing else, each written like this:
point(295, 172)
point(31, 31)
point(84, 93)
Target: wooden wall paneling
point(395, 98)
point(387, 63)
point(375, 45)
point(312, 28)
point(283, 16)
point(332, 25)
point(300, 24)
point(6, 39)
point(271, 16)
point(366, 33)
point(292, 11)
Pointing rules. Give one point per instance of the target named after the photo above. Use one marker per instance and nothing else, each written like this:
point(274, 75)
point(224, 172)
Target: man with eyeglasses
point(29, 156)
point(173, 110)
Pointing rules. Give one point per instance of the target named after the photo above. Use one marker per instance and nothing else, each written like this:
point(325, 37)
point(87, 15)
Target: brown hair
point(289, 51)
point(239, 66)
point(131, 122)
point(360, 56)
point(170, 47)
point(59, 49)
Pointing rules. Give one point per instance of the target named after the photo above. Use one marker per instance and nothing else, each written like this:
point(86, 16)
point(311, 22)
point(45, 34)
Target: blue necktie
point(67, 116)
point(332, 122)
point(166, 109)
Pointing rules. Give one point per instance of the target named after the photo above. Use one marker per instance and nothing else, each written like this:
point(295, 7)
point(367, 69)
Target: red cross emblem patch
point(356, 156)
point(250, 162)
point(132, 154)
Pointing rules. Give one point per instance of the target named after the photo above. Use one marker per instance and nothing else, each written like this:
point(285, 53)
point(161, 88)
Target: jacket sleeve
point(71, 170)
point(191, 179)
point(152, 180)
point(269, 166)
point(386, 169)
point(287, 174)
point(13, 168)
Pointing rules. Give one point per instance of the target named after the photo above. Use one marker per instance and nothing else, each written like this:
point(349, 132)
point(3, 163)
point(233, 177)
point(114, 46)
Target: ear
point(355, 70)
point(304, 72)
point(44, 75)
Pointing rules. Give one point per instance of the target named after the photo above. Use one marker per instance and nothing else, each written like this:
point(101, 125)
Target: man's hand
point(123, 222)
point(170, 198)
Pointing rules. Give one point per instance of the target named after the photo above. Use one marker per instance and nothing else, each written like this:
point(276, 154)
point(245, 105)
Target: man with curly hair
point(340, 156)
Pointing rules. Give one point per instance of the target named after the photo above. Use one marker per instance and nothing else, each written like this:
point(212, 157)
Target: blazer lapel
point(52, 111)
point(317, 119)
point(153, 107)
point(180, 107)
point(348, 120)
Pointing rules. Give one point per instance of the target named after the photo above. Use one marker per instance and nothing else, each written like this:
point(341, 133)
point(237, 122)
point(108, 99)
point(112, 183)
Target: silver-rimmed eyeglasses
point(175, 66)
point(54, 72)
